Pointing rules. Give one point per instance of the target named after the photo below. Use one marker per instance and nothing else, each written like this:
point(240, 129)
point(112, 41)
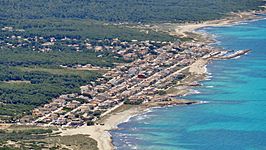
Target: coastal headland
point(100, 131)
point(109, 121)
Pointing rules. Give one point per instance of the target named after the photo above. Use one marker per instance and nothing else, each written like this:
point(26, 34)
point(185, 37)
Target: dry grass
point(74, 142)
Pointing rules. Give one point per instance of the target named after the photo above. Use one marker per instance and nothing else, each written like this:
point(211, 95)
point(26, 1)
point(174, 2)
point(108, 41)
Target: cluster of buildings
point(153, 67)
point(143, 80)
point(129, 50)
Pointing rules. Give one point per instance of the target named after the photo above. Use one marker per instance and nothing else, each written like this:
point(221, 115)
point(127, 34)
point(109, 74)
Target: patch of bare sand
point(4, 125)
point(100, 132)
point(234, 18)
point(199, 67)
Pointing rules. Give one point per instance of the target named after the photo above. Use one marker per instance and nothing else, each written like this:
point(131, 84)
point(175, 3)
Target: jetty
point(235, 54)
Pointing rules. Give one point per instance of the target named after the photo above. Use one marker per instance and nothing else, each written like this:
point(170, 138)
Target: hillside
point(125, 10)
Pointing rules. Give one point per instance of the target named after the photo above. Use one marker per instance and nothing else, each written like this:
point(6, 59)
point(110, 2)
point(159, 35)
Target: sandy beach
point(234, 18)
point(100, 132)
point(199, 67)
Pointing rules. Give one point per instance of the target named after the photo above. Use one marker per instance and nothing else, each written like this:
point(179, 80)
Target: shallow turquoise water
point(235, 118)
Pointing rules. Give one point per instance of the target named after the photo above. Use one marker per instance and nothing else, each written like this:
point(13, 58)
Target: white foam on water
point(142, 117)
point(148, 110)
point(192, 91)
point(195, 92)
point(204, 102)
point(210, 86)
point(208, 78)
point(236, 57)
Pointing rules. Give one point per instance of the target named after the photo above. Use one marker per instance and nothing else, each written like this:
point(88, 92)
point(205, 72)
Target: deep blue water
point(235, 118)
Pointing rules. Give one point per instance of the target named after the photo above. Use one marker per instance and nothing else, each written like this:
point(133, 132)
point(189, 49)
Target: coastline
point(189, 30)
point(101, 132)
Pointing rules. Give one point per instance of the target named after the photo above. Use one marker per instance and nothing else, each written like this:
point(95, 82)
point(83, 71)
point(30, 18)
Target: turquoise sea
point(235, 118)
